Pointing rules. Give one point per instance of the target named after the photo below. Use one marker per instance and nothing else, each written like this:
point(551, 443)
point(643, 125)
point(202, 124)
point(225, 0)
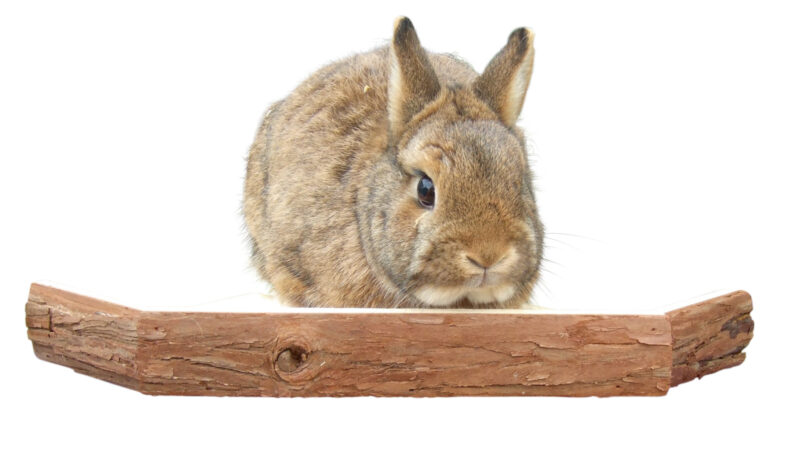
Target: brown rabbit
point(397, 178)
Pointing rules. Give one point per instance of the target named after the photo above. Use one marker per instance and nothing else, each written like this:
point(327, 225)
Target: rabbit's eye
point(425, 192)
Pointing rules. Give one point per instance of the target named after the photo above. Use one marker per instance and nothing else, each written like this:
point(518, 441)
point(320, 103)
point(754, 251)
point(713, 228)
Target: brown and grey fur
point(330, 195)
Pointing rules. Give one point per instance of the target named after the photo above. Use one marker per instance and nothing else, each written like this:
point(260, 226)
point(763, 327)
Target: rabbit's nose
point(475, 262)
point(485, 260)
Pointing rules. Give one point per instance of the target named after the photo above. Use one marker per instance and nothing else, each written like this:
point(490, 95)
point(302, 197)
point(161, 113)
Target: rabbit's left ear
point(505, 80)
point(412, 81)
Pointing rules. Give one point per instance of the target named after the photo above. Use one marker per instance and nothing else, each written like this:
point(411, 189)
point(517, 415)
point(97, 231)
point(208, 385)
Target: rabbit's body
point(327, 194)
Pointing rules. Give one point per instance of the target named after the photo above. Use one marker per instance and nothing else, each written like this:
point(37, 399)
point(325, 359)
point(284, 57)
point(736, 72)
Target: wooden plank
point(92, 337)
point(376, 353)
point(710, 336)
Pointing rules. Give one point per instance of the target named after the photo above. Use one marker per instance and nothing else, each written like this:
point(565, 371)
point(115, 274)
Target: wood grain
point(710, 336)
point(383, 353)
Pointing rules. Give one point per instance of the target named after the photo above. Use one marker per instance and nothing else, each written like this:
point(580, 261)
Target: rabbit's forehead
point(468, 149)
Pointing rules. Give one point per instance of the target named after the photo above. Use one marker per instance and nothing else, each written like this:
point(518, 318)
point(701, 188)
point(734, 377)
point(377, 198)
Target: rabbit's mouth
point(487, 278)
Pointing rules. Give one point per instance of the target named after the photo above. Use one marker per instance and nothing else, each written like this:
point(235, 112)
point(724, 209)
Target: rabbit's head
point(449, 215)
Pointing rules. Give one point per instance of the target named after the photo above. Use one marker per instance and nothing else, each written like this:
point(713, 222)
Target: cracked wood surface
point(710, 336)
point(385, 353)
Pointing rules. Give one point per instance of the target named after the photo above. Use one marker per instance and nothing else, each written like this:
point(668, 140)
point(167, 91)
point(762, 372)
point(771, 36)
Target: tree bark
point(387, 352)
point(710, 336)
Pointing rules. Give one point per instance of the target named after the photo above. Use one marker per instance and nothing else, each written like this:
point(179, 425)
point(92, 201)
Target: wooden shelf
point(387, 352)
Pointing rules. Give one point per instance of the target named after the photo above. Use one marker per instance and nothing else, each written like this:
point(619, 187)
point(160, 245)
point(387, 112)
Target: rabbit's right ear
point(412, 81)
point(505, 80)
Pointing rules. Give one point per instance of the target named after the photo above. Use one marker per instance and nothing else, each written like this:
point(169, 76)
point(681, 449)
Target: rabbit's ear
point(504, 82)
point(412, 81)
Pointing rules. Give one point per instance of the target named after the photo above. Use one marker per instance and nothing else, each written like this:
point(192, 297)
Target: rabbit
point(397, 178)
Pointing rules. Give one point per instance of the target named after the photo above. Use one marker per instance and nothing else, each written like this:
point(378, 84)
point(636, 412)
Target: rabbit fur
point(331, 193)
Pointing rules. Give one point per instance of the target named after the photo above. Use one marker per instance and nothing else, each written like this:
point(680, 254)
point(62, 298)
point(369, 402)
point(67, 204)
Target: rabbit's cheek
point(530, 235)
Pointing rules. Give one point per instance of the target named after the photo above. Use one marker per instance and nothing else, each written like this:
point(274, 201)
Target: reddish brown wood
point(710, 336)
point(378, 353)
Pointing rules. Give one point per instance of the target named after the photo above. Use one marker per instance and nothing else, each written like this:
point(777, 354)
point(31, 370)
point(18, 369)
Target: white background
point(665, 144)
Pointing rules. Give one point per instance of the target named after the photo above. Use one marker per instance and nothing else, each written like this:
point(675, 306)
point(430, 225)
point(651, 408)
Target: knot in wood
point(292, 358)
